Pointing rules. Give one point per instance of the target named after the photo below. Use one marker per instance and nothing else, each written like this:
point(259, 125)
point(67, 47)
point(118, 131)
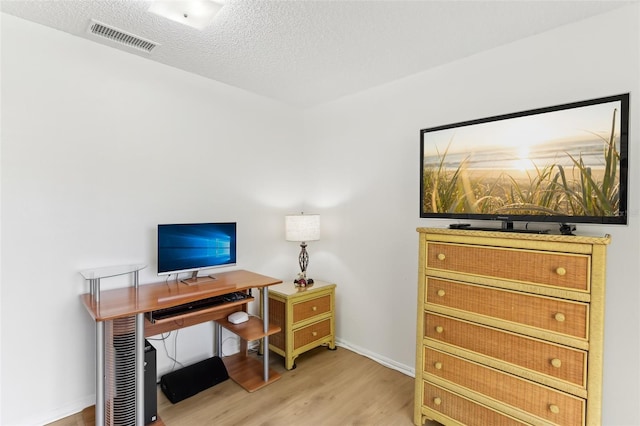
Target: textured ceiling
point(305, 52)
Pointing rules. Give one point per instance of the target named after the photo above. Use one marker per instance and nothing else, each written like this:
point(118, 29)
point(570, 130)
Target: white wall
point(366, 164)
point(99, 146)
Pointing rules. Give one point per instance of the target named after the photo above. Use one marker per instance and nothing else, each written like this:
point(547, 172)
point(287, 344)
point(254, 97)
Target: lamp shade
point(302, 227)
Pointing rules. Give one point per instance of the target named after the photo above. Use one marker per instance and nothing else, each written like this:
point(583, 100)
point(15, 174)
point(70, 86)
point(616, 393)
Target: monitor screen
point(195, 246)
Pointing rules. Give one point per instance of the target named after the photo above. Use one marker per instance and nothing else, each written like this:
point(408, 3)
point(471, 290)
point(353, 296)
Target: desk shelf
point(248, 372)
point(253, 329)
point(245, 371)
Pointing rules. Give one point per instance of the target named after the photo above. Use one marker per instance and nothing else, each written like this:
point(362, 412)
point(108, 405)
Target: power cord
point(163, 339)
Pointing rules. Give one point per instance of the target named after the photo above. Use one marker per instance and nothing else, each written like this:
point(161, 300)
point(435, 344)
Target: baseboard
point(63, 412)
point(404, 369)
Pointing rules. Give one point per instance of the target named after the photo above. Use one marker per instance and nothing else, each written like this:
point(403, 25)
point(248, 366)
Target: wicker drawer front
point(541, 401)
point(311, 333)
point(311, 308)
point(462, 409)
point(545, 268)
point(556, 361)
point(556, 315)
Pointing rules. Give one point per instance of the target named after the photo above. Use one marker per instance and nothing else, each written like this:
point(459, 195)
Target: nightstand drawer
point(570, 271)
point(463, 410)
point(547, 313)
point(311, 333)
point(541, 401)
point(557, 361)
point(311, 308)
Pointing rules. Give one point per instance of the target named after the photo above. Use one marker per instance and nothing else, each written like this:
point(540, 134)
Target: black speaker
point(190, 380)
point(150, 390)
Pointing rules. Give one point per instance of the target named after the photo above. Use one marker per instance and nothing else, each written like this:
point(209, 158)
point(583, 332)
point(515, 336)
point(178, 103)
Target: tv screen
point(195, 246)
point(567, 164)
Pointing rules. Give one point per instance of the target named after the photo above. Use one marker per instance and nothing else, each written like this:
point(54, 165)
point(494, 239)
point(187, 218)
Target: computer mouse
point(238, 317)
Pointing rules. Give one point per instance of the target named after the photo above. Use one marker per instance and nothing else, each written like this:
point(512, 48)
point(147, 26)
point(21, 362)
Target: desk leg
point(265, 339)
point(217, 349)
point(100, 373)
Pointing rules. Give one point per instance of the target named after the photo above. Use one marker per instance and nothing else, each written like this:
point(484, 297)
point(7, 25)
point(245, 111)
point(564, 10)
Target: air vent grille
point(121, 37)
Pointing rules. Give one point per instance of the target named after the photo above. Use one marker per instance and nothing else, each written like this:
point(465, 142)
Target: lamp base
point(303, 281)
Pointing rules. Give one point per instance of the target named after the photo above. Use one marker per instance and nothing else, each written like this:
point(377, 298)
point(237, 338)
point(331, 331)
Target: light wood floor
point(327, 388)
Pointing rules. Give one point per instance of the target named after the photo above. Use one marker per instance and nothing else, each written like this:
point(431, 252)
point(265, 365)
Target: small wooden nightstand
point(306, 316)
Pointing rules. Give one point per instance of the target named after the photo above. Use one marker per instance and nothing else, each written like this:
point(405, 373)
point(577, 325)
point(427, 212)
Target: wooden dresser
point(510, 328)
point(306, 316)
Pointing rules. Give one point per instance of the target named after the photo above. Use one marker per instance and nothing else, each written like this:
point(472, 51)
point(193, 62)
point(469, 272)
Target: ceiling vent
point(120, 37)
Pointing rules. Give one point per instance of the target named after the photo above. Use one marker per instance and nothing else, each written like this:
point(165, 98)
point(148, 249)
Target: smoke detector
point(121, 37)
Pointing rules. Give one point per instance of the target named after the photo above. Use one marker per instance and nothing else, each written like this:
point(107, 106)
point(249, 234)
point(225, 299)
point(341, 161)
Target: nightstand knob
point(437, 401)
point(556, 363)
point(314, 334)
point(561, 271)
point(438, 365)
point(441, 293)
point(315, 308)
point(554, 409)
point(441, 256)
point(439, 329)
point(559, 317)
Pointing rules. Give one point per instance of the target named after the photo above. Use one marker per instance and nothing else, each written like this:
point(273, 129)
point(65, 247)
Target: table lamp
point(302, 228)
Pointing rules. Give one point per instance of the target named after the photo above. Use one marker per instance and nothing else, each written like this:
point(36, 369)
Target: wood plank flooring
point(327, 388)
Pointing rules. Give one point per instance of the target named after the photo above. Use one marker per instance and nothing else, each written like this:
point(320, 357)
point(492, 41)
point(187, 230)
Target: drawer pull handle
point(439, 329)
point(559, 317)
point(441, 256)
point(314, 333)
point(554, 409)
point(556, 363)
point(438, 365)
point(561, 271)
point(441, 293)
point(437, 401)
point(315, 308)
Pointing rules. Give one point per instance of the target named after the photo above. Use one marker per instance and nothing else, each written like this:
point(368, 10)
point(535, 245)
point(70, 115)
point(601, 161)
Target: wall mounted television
point(192, 247)
point(564, 164)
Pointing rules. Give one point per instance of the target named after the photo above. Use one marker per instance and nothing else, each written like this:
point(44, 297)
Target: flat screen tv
point(565, 164)
point(192, 247)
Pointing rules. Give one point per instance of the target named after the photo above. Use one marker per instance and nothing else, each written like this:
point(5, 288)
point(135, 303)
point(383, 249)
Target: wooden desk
point(120, 317)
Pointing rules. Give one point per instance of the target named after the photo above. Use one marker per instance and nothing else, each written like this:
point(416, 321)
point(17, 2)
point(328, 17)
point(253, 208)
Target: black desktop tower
point(150, 390)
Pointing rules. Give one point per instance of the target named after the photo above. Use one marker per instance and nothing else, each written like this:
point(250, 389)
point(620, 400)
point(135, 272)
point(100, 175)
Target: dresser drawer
point(311, 308)
point(569, 271)
point(541, 401)
point(463, 410)
point(555, 315)
point(311, 333)
point(550, 359)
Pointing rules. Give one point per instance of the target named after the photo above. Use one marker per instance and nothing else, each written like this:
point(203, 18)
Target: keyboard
point(197, 305)
point(235, 296)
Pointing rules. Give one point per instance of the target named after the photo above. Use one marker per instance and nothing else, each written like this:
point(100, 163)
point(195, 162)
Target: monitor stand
point(195, 279)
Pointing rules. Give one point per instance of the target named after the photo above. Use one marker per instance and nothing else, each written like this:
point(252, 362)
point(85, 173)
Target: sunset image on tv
point(562, 162)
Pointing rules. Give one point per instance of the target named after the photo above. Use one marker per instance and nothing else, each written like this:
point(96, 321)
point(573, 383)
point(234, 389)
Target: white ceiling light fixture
point(194, 13)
